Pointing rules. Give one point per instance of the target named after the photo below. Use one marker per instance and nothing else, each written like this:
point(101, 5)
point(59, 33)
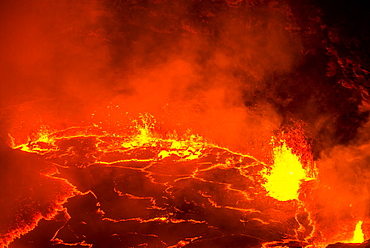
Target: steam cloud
point(198, 63)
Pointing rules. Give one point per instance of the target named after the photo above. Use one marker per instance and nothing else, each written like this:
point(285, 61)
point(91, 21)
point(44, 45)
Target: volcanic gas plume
point(156, 123)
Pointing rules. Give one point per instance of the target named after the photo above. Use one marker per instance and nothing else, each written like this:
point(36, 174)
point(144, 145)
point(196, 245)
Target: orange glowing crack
point(216, 205)
point(164, 219)
point(285, 243)
point(184, 242)
point(259, 220)
point(82, 243)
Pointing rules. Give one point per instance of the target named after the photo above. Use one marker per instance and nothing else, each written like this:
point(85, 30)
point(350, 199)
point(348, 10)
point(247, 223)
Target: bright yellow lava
point(284, 178)
point(358, 236)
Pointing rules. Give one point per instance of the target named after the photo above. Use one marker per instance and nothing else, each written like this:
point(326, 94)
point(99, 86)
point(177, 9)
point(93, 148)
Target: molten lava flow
point(283, 180)
point(358, 235)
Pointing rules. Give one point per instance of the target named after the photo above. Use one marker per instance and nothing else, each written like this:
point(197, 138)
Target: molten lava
point(142, 179)
point(358, 236)
point(284, 179)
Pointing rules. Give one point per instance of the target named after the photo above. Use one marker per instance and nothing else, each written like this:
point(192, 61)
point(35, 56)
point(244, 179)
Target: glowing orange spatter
point(358, 235)
point(284, 179)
